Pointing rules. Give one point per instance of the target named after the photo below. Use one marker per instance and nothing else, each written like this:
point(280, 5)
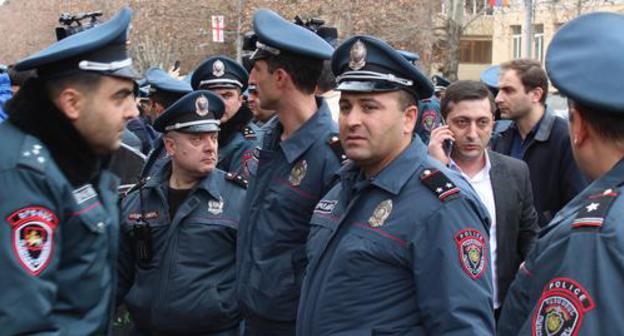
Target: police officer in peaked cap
point(569, 283)
point(164, 90)
point(59, 235)
point(239, 135)
point(399, 245)
point(299, 156)
point(177, 259)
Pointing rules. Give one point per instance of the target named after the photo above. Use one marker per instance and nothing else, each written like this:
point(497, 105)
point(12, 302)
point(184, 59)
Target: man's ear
point(410, 117)
point(579, 129)
point(537, 94)
point(71, 102)
point(169, 142)
point(282, 78)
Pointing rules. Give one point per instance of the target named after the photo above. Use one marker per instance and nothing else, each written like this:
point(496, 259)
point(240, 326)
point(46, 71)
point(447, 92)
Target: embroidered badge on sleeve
point(561, 308)
point(472, 252)
point(33, 237)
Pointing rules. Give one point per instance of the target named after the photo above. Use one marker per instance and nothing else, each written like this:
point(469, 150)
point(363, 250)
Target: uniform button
point(100, 226)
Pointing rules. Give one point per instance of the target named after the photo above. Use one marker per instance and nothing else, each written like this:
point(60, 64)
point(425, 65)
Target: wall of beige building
point(504, 23)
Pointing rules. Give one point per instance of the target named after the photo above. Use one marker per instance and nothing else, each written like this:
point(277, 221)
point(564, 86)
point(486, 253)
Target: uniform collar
point(308, 133)
point(394, 176)
point(209, 183)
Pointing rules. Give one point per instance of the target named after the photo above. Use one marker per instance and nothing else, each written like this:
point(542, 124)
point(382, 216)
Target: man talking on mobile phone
point(502, 183)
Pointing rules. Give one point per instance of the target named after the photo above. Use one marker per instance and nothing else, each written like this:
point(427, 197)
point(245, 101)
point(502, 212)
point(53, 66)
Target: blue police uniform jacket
point(391, 256)
point(236, 156)
point(571, 281)
point(188, 285)
point(58, 244)
point(291, 177)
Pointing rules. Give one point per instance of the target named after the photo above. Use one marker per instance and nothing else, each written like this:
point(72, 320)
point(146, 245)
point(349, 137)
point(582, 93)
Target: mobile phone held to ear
point(448, 147)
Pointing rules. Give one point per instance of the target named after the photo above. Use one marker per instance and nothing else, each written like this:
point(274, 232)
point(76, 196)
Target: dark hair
point(609, 125)
point(165, 99)
point(304, 71)
point(531, 74)
point(465, 90)
point(406, 99)
point(84, 81)
point(19, 78)
point(327, 80)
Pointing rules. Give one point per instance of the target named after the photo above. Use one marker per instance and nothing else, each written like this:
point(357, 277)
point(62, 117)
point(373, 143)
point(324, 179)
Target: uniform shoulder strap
point(439, 184)
point(334, 143)
point(249, 133)
point(595, 209)
point(239, 180)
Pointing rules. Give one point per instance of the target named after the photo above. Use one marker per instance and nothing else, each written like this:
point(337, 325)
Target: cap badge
point(357, 56)
point(201, 106)
point(218, 68)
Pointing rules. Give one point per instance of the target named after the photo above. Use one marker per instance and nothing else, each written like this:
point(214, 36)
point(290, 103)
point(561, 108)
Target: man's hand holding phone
point(441, 144)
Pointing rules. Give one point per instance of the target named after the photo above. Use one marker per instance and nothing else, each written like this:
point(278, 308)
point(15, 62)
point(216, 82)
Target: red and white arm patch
point(561, 308)
point(32, 237)
point(472, 252)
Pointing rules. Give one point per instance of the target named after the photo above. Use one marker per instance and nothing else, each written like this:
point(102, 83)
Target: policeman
point(570, 282)
point(439, 85)
point(299, 155)
point(397, 247)
point(177, 264)
point(58, 202)
point(164, 90)
point(238, 135)
point(429, 116)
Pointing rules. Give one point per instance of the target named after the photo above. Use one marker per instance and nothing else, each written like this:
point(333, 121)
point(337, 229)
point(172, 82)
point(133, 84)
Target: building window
point(538, 50)
point(475, 51)
point(516, 37)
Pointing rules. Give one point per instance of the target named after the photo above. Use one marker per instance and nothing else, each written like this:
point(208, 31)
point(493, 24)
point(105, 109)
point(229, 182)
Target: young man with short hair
point(58, 201)
point(502, 183)
point(537, 136)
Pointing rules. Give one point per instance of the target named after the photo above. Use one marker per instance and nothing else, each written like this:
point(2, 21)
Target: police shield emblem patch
point(215, 207)
point(472, 252)
point(33, 237)
point(381, 213)
point(561, 307)
point(298, 172)
point(428, 120)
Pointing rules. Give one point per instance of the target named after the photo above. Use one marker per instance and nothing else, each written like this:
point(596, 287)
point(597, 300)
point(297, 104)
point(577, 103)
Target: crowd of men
point(252, 204)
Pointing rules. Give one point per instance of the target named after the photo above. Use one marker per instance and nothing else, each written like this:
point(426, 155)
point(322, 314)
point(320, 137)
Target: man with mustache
point(177, 259)
point(502, 183)
point(397, 246)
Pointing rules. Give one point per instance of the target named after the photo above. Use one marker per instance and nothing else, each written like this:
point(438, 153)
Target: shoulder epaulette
point(334, 144)
point(249, 133)
point(239, 180)
point(595, 209)
point(440, 184)
point(34, 156)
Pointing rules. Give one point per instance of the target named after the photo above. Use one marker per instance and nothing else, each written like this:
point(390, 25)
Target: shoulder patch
point(471, 247)
point(249, 133)
point(239, 180)
point(440, 184)
point(561, 308)
point(334, 144)
point(32, 237)
point(596, 208)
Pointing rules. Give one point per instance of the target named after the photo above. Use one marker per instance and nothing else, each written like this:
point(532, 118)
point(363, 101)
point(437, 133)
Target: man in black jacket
point(537, 136)
point(502, 183)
